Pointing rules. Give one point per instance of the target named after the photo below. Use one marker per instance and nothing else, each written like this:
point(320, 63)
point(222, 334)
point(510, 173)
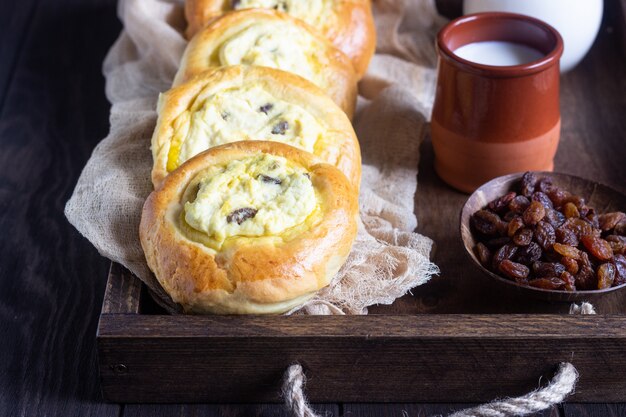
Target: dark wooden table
point(53, 113)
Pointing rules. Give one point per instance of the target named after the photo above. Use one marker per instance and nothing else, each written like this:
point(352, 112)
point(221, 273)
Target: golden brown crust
point(340, 147)
point(351, 30)
point(335, 73)
point(249, 275)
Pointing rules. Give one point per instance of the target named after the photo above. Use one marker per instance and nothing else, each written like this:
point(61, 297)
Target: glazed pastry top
point(247, 113)
point(275, 44)
point(260, 195)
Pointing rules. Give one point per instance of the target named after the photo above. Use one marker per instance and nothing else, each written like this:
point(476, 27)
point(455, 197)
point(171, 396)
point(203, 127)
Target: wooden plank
point(595, 410)
point(222, 410)
point(51, 279)
point(421, 410)
point(15, 22)
point(378, 358)
point(432, 326)
point(123, 292)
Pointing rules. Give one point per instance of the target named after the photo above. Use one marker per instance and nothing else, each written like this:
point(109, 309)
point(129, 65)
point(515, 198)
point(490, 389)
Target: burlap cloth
point(388, 258)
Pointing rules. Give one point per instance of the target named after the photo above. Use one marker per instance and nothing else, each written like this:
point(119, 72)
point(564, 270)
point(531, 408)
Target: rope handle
point(555, 392)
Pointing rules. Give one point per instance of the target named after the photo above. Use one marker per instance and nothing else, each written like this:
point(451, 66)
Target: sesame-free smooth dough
point(272, 39)
point(347, 24)
point(237, 103)
point(249, 227)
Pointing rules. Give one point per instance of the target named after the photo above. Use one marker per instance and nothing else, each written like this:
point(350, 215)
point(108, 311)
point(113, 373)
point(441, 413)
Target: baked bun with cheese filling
point(236, 103)
point(272, 39)
point(249, 227)
point(347, 24)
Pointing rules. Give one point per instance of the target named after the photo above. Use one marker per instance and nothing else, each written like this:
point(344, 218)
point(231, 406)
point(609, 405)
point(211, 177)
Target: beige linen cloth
point(388, 258)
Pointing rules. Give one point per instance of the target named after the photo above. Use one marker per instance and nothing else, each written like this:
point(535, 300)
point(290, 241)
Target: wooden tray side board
point(376, 358)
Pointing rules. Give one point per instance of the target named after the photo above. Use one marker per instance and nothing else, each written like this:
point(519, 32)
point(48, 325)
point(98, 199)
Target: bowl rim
point(472, 256)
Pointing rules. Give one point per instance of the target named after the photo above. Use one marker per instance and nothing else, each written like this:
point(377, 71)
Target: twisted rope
point(583, 308)
point(293, 394)
point(561, 386)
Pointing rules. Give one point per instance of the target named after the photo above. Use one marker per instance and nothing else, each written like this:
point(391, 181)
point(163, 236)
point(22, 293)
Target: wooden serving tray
point(458, 338)
point(145, 356)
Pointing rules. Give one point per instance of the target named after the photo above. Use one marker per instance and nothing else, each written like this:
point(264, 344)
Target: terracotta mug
point(490, 120)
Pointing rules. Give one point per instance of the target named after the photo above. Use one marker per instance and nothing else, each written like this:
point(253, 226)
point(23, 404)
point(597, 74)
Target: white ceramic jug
point(578, 21)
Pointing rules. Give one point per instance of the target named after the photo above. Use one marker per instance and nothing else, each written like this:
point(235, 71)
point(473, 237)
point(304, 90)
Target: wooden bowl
point(604, 199)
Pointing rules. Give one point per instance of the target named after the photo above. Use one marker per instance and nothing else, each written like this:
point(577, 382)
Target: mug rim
point(548, 60)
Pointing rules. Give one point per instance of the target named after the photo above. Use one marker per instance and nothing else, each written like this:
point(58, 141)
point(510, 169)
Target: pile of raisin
point(545, 237)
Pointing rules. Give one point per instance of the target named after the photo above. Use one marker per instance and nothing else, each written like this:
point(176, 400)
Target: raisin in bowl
point(553, 236)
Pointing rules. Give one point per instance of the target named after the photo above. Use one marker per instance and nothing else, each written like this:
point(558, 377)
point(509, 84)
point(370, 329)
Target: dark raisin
point(549, 283)
point(620, 228)
point(513, 270)
point(306, 174)
point(523, 236)
point(566, 237)
point(269, 180)
point(509, 215)
point(570, 265)
point(528, 254)
point(569, 280)
point(499, 204)
point(486, 222)
point(584, 260)
point(266, 108)
point(586, 279)
point(551, 256)
point(519, 204)
point(545, 235)
point(225, 115)
point(592, 218)
point(570, 211)
point(514, 225)
point(548, 269)
point(483, 253)
point(280, 128)
point(234, 3)
point(617, 243)
point(534, 213)
point(620, 269)
point(583, 211)
point(241, 215)
point(282, 6)
point(545, 185)
point(555, 218)
point(505, 252)
point(597, 247)
point(558, 196)
point(543, 199)
point(608, 221)
point(566, 250)
point(606, 275)
point(528, 182)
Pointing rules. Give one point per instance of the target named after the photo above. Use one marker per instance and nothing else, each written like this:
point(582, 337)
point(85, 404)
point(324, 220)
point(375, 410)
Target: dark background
point(52, 114)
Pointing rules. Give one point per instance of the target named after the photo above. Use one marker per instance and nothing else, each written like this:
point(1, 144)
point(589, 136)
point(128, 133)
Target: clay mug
point(492, 120)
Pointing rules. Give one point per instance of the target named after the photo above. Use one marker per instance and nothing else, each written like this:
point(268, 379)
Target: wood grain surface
point(53, 113)
point(418, 410)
